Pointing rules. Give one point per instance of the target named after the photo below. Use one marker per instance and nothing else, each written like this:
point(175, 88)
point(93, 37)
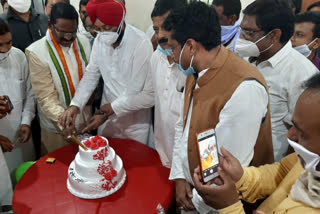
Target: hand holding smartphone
point(5, 104)
point(208, 154)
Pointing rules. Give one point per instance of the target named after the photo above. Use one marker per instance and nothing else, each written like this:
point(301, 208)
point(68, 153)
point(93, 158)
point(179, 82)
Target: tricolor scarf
point(59, 61)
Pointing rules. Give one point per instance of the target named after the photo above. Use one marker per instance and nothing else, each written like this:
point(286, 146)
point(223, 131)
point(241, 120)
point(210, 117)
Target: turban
point(109, 12)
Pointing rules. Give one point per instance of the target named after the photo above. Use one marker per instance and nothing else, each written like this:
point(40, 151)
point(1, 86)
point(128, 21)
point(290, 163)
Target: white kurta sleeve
point(176, 171)
point(89, 80)
point(28, 111)
point(240, 120)
point(136, 77)
point(143, 100)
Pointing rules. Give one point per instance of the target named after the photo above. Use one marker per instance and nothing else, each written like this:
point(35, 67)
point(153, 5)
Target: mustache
point(163, 40)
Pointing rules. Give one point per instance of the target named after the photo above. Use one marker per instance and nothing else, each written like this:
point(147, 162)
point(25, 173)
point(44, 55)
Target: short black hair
point(273, 14)
point(196, 21)
point(83, 3)
point(230, 7)
point(65, 1)
point(313, 82)
point(3, 2)
point(63, 11)
point(316, 4)
point(313, 17)
point(4, 27)
point(297, 5)
point(161, 7)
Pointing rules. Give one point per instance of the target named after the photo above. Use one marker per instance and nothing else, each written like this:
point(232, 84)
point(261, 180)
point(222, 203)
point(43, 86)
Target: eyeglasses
point(249, 33)
point(63, 34)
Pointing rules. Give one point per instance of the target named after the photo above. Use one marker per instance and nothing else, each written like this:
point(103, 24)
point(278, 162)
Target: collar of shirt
point(165, 60)
point(200, 74)
point(11, 15)
point(278, 57)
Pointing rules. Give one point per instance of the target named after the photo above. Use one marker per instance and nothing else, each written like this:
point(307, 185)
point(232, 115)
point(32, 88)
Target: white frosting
point(84, 180)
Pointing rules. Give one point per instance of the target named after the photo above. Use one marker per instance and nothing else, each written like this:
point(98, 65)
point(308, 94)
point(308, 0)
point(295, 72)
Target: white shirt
point(160, 90)
point(284, 73)
point(237, 131)
point(15, 82)
point(124, 70)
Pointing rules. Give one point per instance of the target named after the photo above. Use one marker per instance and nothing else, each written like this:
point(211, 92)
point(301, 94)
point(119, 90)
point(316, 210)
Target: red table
point(43, 189)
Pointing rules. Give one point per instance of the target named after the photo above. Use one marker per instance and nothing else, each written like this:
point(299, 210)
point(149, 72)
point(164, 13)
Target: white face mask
point(304, 49)
point(247, 48)
point(4, 56)
point(22, 6)
point(311, 160)
point(107, 38)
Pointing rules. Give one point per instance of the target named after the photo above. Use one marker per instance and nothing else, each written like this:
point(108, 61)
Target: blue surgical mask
point(228, 32)
point(189, 71)
point(167, 52)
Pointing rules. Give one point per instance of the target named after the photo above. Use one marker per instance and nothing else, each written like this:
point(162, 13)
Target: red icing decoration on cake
point(105, 168)
point(95, 143)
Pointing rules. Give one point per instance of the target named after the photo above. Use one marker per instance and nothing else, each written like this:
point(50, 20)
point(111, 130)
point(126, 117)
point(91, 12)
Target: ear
point(232, 19)
point(49, 24)
point(316, 44)
point(192, 44)
point(276, 35)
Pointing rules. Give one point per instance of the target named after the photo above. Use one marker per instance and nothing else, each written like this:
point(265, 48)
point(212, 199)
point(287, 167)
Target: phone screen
point(208, 156)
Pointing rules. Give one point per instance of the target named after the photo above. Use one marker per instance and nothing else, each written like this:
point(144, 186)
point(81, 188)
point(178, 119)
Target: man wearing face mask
point(228, 12)
point(26, 25)
point(121, 55)
point(87, 27)
point(306, 36)
point(57, 63)
point(266, 29)
point(289, 187)
point(15, 130)
point(163, 87)
point(222, 92)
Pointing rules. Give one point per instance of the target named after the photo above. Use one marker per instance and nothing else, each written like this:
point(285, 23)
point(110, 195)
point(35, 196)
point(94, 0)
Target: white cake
point(97, 172)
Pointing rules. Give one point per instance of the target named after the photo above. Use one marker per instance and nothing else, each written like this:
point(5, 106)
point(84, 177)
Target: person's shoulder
point(137, 33)
point(17, 52)
point(37, 44)
point(84, 40)
point(300, 63)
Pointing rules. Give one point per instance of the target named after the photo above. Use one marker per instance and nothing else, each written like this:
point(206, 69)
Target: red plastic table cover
point(43, 188)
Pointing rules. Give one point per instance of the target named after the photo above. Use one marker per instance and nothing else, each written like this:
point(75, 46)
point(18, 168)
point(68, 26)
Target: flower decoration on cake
point(95, 143)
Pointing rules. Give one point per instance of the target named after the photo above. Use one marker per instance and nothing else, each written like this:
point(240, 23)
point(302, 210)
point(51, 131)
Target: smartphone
point(9, 103)
point(208, 154)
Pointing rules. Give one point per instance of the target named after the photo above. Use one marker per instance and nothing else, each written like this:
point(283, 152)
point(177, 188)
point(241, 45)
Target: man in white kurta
point(57, 63)
point(123, 65)
point(15, 83)
point(163, 89)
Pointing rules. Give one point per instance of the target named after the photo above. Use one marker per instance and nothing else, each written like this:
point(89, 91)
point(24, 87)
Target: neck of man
point(270, 53)
point(118, 42)
point(24, 16)
point(312, 55)
point(170, 60)
point(208, 58)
